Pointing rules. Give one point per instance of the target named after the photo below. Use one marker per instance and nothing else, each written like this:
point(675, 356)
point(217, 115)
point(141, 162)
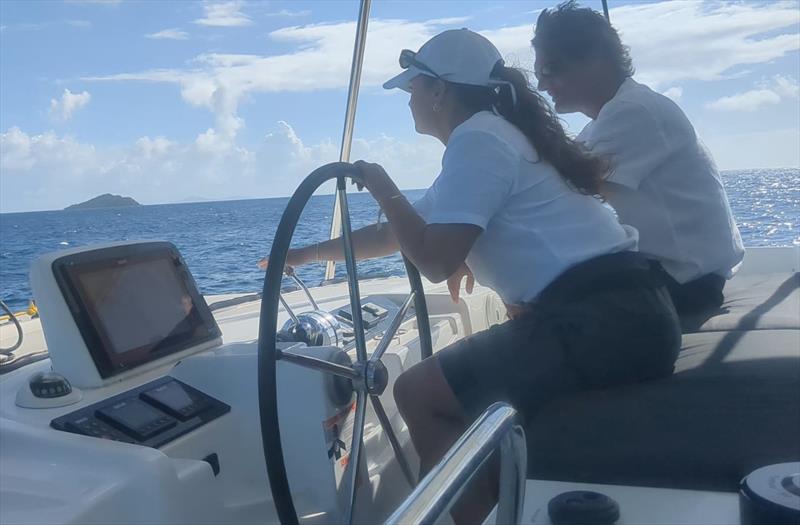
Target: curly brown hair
point(574, 33)
point(533, 116)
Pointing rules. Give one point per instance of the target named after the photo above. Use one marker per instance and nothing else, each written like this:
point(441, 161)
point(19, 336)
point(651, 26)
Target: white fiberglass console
point(118, 310)
point(175, 411)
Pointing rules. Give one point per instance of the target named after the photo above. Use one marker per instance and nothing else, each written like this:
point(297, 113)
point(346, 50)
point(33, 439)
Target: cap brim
point(403, 80)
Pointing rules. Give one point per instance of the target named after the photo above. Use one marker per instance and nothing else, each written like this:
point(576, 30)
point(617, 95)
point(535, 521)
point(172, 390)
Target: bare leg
point(435, 421)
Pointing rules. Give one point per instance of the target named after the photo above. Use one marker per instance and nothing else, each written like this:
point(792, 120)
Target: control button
point(367, 318)
point(346, 314)
point(375, 310)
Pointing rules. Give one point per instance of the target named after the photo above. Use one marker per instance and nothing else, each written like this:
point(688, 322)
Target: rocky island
point(106, 200)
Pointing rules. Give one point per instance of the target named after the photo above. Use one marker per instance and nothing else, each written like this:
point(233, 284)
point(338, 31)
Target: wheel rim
point(367, 373)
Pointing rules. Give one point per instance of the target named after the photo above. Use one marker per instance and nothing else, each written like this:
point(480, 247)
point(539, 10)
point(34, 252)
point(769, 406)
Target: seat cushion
point(732, 406)
point(754, 302)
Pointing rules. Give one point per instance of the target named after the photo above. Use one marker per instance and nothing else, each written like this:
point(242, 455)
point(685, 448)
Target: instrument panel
point(151, 415)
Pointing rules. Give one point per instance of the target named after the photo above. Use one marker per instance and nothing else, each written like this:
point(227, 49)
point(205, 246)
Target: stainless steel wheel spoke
point(355, 453)
point(386, 340)
point(398, 449)
point(320, 365)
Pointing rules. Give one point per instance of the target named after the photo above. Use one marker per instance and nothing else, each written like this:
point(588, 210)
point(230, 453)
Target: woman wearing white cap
point(516, 205)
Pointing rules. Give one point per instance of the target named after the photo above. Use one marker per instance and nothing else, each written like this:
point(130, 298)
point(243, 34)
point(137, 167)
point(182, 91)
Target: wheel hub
point(315, 328)
point(376, 377)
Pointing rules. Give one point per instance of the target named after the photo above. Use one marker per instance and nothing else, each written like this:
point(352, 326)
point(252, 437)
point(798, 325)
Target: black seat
point(755, 302)
point(732, 406)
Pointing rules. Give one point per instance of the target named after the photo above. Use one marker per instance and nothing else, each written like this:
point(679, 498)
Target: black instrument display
point(153, 414)
point(133, 304)
point(136, 417)
point(176, 401)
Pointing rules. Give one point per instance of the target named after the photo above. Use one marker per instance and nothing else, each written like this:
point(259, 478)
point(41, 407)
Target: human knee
point(412, 390)
point(405, 392)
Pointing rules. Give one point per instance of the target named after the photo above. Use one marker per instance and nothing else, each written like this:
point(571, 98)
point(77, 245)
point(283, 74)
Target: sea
point(223, 241)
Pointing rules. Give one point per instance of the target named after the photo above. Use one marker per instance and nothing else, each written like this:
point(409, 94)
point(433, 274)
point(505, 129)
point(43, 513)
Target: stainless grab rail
point(498, 426)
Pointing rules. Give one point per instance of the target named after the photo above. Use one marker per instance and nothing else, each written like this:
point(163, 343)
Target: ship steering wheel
point(367, 377)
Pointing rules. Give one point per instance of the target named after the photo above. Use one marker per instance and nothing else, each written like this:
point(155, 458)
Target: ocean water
point(222, 241)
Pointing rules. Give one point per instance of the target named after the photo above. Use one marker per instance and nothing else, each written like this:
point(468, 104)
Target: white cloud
point(670, 41)
point(153, 148)
point(220, 81)
point(168, 34)
point(70, 103)
point(394, 155)
point(771, 148)
point(786, 87)
point(56, 163)
point(769, 93)
point(675, 93)
point(224, 14)
point(48, 171)
point(748, 101)
point(288, 13)
point(679, 40)
point(514, 43)
point(27, 26)
point(451, 21)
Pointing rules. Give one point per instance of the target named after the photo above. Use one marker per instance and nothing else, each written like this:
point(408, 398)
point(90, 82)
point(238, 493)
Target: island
point(106, 200)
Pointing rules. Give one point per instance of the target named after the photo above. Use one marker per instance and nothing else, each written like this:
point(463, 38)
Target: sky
point(178, 101)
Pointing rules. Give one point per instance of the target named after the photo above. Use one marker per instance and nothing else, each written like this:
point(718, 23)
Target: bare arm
point(368, 242)
point(437, 250)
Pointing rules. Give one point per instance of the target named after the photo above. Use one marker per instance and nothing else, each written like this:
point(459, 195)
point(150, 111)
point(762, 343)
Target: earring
point(437, 108)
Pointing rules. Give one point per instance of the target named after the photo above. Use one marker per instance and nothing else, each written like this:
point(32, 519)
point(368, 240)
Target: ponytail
point(514, 100)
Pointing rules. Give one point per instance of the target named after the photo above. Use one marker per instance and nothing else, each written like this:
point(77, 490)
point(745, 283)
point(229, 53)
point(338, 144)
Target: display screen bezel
point(67, 271)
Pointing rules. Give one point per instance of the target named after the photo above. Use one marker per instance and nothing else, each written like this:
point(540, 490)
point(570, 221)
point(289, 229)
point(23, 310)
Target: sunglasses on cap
point(408, 58)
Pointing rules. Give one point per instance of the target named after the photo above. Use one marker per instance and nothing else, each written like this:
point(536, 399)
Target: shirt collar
point(627, 85)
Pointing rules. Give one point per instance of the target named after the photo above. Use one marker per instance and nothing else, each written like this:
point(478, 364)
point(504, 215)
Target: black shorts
point(605, 322)
point(702, 295)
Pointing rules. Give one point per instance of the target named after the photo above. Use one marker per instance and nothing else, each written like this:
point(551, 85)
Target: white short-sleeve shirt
point(665, 184)
point(535, 226)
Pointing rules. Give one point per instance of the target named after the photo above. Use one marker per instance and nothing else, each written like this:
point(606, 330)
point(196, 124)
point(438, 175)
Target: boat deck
point(731, 406)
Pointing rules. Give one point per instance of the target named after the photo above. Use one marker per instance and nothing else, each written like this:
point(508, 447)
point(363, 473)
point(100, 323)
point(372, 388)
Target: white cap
point(460, 56)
